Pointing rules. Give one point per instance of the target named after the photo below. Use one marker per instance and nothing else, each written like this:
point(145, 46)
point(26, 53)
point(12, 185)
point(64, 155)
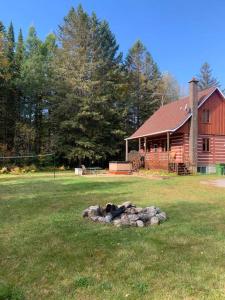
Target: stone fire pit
point(126, 214)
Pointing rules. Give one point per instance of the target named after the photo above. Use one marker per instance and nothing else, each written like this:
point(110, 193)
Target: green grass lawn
point(47, 251)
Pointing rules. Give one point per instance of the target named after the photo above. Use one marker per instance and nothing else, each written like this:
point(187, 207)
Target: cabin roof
point(172, 116)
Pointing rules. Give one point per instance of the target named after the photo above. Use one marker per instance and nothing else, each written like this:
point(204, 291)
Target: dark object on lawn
point(118, 212)
point(126, 214)
point(110, 208)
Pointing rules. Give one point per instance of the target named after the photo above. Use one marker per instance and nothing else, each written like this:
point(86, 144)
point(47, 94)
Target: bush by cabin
point(185, 136)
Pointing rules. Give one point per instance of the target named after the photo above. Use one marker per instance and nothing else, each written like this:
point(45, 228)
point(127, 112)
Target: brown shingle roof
point(170, 116)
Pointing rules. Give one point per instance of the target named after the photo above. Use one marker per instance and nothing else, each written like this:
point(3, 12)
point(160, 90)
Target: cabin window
point(205, 144)
point(205, 116)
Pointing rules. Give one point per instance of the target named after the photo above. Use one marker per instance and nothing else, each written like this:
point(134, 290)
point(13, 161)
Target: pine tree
point(35, 84)
point(6, 97)
point(87, 68)
point(144, 81)
point(3, 58)
point(10, 45)
point(206, 79)
point(20, 51)
point(11, 95)
point(3, 78)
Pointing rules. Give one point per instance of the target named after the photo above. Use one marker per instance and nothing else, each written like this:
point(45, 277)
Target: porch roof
point(170, 117)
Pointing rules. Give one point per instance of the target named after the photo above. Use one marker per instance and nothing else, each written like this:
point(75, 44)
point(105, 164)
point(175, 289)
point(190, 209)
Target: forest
point(75, 94)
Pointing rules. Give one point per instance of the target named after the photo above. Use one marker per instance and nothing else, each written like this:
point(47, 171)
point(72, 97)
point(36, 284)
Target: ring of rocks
point(126, 214)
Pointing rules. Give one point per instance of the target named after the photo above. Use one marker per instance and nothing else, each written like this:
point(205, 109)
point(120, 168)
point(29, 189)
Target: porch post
point(168, 148)
point(126, 155)
point(139, 144)
point(145, 146)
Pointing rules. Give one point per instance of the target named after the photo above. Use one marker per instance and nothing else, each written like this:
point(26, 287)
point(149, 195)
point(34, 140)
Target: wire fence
point(40, 160)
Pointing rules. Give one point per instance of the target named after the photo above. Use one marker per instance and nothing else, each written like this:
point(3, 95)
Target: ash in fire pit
point(126, 214)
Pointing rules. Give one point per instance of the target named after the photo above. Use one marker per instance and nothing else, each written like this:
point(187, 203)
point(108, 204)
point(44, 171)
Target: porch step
point(180, 169)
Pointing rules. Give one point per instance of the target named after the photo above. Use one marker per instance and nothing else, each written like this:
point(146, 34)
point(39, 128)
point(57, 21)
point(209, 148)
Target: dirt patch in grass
point(217, 182)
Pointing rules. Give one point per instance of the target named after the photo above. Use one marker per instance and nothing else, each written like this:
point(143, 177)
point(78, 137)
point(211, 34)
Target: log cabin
point(185, 136)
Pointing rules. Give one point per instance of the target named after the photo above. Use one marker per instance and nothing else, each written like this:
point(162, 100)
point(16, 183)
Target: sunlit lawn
point(48, 251)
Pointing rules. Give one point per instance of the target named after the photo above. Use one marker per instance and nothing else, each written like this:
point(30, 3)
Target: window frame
point(206, 144)
point(206, 116)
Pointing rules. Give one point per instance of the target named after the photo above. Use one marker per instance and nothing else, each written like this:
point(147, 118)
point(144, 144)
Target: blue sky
point(180, 35)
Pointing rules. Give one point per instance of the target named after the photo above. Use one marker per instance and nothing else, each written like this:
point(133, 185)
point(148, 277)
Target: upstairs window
point(205, 116)
point(205, 145)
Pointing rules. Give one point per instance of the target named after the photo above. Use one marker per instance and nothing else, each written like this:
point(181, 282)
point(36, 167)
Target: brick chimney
point(193, 136)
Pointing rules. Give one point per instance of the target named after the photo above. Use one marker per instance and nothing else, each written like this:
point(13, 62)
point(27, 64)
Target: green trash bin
point(220, 169)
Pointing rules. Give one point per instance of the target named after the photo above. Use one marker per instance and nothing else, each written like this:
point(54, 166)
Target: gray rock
point(125, 220)
point(151, 211)
point(126, 204)
point(161, 216)
point(108, 218)
point(131, 210)
point(101, 219)
point(94, 218)
point(117, 222)
point(139, 210)
point(144, 217)
point(140, 223)
point(133, 217)
point(154, 221)
point(85, 213)
point(94, 210)
point(158, 210)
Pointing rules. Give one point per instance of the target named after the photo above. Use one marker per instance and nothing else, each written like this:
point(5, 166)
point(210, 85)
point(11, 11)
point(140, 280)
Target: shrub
point(62, 168)
point(4, 170)
point(32, 168)
point(16, 171)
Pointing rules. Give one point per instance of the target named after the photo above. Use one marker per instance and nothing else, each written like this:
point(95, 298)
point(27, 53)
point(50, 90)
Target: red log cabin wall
point(214, 130)
point(177, 148)
point(157, 157)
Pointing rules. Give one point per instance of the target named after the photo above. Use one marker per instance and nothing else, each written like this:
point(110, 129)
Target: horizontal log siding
point(156, 160)
point(219, 155)
point(177, 148)
point(216, 152)
point(159, 159)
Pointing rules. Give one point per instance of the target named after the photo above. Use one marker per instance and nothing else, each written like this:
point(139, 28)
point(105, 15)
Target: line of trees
point(74, 93)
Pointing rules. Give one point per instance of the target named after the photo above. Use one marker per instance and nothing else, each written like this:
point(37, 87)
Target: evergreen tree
point(144, 84)
point(35, 83)
point(6, 131)
point(11, 95)
point(87, 103)
point(206, 78)
point(10, 51)
point(19, 53)
point(3, 58)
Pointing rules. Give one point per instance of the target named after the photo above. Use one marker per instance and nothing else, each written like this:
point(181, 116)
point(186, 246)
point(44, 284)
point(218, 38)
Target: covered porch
point(163, 151)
